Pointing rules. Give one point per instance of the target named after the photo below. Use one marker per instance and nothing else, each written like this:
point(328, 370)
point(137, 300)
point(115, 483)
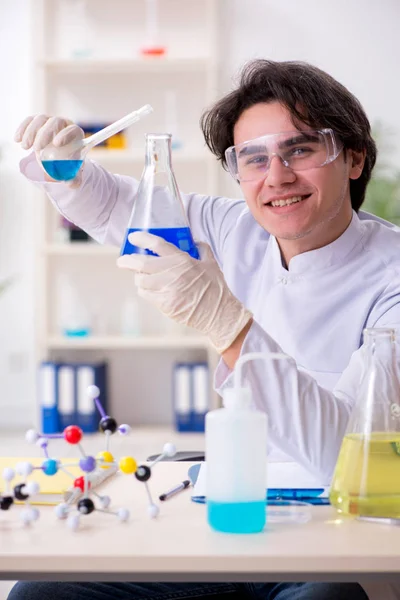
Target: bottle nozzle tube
point(253, 356)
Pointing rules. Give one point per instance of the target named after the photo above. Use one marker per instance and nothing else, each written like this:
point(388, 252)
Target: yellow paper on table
point(52, 487)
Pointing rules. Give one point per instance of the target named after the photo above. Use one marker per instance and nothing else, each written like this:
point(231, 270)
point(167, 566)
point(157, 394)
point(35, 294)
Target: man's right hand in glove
point(38, 131)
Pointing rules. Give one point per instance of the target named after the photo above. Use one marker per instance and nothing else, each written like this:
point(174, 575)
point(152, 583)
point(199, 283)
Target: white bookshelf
point(112, 81)
point(186, 156)
point(139, 65)
point(117, 342)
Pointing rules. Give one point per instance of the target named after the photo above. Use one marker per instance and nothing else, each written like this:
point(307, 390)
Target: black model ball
point(108, 424)
point(143, 473)
point(86, 506)
point(6, 502)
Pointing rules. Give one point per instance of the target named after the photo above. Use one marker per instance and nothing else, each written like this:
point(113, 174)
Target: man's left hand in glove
point(191, 292)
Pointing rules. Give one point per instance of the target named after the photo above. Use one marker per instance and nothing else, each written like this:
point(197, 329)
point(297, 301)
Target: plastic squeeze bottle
point(236, 459)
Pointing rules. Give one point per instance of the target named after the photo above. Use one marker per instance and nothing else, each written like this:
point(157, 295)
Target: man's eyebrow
point(299, 139)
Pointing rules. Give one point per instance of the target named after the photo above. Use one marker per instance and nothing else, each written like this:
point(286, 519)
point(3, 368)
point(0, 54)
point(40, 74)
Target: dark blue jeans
point(36, 590)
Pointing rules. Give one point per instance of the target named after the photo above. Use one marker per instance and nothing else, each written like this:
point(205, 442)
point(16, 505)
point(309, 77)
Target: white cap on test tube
point(237, 398)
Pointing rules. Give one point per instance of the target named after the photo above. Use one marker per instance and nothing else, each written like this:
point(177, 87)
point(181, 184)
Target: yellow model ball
point(128, 465)
point(105, 457)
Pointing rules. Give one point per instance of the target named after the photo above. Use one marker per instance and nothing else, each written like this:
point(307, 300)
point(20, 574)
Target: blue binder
point(182, 397)
point(200, 395)
point(190, 395)
point(48, 392)
point(88, 416)
point(66, 395)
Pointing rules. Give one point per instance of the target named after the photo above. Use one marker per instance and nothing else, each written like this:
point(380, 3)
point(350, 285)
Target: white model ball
point(24, 468)
point(123, 514)
point(153, 511)
point(35, 514)
point(105, 501)
point(28, 515)
point(169, 449)
point(42, 442)
point(73, 522)
point(124, 429)
point(31, 488)
point(93, 391)
point(32, 436)
point(8, 474)
point(61, 511)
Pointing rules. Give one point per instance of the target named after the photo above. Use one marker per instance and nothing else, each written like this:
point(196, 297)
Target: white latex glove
point(38, 131)
point(189, 291)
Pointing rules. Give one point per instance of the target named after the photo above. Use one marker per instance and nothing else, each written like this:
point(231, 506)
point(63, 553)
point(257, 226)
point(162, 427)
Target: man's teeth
point(286, 202)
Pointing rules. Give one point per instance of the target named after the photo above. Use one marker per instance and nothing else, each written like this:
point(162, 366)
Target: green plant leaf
point(383, 192)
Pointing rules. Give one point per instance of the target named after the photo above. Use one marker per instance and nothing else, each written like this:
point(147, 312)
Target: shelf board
point(80, 249)
point(137, 156)
point(124, 65)
point(120, 342)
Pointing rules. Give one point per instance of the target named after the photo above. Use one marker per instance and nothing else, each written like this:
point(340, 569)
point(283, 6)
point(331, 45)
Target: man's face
point(325, 191)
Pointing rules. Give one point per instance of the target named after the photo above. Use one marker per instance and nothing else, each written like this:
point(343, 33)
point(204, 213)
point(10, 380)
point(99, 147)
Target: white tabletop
point(179, 544)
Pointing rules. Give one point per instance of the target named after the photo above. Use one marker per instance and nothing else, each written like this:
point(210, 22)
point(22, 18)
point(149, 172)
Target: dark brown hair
point(312, 97)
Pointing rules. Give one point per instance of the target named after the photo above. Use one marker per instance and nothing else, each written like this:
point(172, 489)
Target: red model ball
point(73, 434)
point(80, 483)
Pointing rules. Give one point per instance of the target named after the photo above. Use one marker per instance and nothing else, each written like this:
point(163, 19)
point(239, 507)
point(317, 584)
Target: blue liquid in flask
point(237, 517)
point(62, 170)
point(179, 236)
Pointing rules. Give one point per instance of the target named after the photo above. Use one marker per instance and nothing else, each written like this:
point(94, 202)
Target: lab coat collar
point(324, 257)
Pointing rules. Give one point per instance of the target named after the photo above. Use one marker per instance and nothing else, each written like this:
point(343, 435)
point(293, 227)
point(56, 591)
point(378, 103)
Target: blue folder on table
point(311, 495)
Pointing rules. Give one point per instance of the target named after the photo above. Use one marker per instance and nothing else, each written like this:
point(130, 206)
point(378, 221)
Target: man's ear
point(356, 161)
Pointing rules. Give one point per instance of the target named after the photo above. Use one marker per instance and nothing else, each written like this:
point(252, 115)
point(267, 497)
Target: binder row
point(64, 400)
point(191, 395)
point(63, 395)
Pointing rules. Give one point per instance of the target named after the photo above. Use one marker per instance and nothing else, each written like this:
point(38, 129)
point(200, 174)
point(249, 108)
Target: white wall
point(16, 213)
point(356, 41)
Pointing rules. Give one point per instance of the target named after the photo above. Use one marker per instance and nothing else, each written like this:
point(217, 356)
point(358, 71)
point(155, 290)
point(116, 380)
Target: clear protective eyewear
point(297, 150)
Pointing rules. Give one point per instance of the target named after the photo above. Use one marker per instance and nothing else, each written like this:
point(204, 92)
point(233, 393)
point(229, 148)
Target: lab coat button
point(284, 280)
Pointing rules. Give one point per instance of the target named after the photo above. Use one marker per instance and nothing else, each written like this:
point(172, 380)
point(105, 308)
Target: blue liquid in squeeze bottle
point(158, 207)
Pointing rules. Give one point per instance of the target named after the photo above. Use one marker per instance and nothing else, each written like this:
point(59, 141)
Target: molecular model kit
point(79, 500)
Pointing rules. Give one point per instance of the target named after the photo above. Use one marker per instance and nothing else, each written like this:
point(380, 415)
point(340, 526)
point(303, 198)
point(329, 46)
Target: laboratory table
point(179, 545)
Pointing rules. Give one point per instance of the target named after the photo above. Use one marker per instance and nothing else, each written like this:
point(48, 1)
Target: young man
point(294, 268)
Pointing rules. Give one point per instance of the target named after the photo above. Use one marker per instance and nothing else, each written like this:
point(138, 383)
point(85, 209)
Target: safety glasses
point(297, 150)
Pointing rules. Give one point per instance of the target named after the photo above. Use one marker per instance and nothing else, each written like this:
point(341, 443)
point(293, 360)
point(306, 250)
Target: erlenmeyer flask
point(158, 206)
point(367, 474)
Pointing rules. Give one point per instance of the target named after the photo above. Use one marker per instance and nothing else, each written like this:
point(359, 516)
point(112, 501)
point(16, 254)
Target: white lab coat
point(315, 311)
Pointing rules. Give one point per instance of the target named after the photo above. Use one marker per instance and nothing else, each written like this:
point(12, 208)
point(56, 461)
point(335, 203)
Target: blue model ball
point(50, 466)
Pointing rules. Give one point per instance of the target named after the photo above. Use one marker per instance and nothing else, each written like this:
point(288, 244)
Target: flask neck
point(377, 406)
point(158, 151)
point(380, 344)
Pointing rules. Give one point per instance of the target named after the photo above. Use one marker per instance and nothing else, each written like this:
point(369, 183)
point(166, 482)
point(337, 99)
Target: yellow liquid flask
point(158, 207)
point(366, 480)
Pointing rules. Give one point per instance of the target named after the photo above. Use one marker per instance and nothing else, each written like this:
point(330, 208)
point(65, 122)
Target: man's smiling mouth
point(286, 201)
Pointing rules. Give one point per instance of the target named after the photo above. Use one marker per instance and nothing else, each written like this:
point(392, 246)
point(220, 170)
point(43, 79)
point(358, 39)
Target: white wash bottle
point(236, 457)
point(236, 469)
